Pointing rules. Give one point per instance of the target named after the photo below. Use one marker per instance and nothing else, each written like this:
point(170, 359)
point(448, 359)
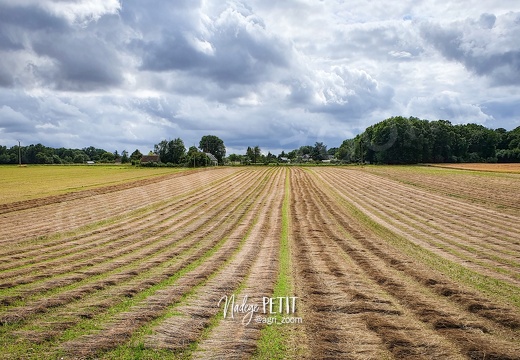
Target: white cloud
point(487, 46)
point(446, 105)
point(279, 75)
point(75, 11)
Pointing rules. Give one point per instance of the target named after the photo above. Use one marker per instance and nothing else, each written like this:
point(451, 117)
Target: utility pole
point(19, 154)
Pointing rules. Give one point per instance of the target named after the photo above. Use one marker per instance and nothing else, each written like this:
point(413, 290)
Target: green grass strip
point(493, 287)
point(135, 348)
point(274, 338)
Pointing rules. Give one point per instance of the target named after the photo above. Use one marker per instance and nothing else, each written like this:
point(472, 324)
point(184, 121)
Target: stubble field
point(384, 262)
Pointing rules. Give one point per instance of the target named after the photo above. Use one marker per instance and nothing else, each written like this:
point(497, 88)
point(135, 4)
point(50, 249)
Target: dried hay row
point(446, 206)
point(87, 308)
point(55, 218)
point(446, 319)
point(230, 338)
point(154, 274)
point(42, 251)
point(494, 193)
point(462, 328)
point(319, 290)
point(509, 168)
point(177, 332)
point(458, 246)
point(121, 328)
point(499, 193)
point(60, 217)
point(340, 295)
point(459, 215)
point(33, 203)
point(38, 306)
point(138, 240)
point(454, 213)
point(507, 316)
point(380, 207)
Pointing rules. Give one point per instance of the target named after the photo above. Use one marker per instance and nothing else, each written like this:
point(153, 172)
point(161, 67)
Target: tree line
point(174, 153)
point(396, 140)
point(316, 153)
point(400, 140)
point(171, 153)
point(40, 154)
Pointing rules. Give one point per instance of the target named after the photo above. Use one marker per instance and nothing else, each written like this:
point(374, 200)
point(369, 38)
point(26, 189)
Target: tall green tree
point(346, 151)
point(172, 151)
point(124, 157)
point(250, 155)
point(234, 158)
point(136, 155)
point(213, 145)
point(257, 153)
point(196, 158)
point(319, 151)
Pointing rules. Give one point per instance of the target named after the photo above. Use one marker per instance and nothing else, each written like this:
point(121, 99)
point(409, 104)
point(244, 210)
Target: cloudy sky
point(279, 74)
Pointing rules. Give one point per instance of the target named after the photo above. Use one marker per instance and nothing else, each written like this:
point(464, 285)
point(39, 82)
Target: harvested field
point(508, 168)
point(494, 190)
point(36, 181)
point(383, 262)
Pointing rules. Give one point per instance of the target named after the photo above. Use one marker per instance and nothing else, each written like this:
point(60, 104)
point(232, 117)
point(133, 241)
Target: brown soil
point(165, 251)
point(507, 168)
point(425, 322)
point(497, 191)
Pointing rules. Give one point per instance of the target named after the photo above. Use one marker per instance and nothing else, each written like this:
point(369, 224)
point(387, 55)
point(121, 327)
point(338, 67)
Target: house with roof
point(150, 158)
point(213, 160)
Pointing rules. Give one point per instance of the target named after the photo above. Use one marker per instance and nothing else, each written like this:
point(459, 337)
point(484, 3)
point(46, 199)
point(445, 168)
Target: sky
point(124, 75)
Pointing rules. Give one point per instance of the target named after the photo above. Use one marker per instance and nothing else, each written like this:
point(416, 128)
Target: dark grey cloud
point(487, 46)
point(58, 54)
point(14, 122)
point(81, 62)
point(29, 18)
point(231, 48)
point(345, 92)
point(6, 77)
point(125, 75)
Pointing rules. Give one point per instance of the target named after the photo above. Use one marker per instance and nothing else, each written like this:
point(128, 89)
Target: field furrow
point(433, 310)
point(448, 285)
point(385, 263)
point(493, 190)
point(151, 237)
point(232, 241)
point(44, 247)
point(158, 269)
point(348, 301)
point(412, 214)
point(63, 216)
point(226, 339)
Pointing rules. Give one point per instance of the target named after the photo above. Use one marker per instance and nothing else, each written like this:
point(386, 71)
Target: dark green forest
point(396, 140)
point(400, 140)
